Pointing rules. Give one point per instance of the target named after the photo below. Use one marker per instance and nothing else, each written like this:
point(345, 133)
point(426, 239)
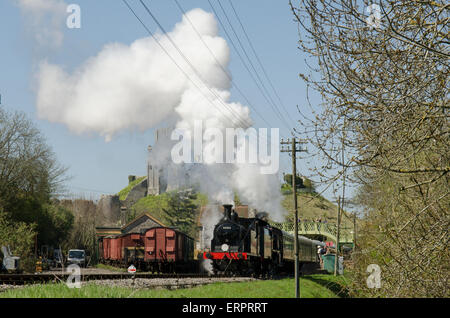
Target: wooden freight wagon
point(168, 250)
point(132, 249)
point(116, 249)
point(106, 248)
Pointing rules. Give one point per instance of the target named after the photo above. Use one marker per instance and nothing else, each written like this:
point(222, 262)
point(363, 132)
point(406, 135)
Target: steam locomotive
point(253, 246)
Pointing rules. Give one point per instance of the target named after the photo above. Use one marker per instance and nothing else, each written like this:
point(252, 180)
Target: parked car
point(77, 257)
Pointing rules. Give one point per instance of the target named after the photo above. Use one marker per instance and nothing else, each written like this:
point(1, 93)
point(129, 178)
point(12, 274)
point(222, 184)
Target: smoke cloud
point(45, 20)
point(136, 87)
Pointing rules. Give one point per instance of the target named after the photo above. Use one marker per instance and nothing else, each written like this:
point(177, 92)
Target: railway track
point(23, 279)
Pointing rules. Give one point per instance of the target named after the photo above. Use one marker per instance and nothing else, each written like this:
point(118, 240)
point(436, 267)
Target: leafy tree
point(298, 180)
point(82, 234)
point(307, 183)
point(19, 236)
point(383, 125)
point(53, 223)
point(286, 189)
point(182, 210)
point(29, 177)
point(27, 165)
point(237, 200)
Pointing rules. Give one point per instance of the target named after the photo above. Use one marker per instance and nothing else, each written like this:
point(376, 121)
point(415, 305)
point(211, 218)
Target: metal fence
point(312, 228)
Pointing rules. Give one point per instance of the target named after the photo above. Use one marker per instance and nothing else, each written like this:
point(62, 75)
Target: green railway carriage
point(307, 249)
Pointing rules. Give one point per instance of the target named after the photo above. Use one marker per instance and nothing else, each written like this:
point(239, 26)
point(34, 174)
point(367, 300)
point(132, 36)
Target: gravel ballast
point(168, 283)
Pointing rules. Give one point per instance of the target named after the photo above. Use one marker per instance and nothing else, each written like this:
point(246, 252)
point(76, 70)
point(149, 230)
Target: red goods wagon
point(100, 249)
point(165, 246)
point(131, 240)
point(132, 248)
point(106, 248)
point(115, 249)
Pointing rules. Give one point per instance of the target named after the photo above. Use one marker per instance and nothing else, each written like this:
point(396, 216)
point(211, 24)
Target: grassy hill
point(312, 206)
point(152, 204)
point(124, 192)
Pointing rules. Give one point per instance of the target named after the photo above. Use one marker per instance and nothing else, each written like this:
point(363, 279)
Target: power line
point(264, 91)
point(258, 59)
point(167, 53)
point(245, 52)
point(237, 51)
point(90, 190)
point(218, 62)
point(172, 58)
point(242, 122)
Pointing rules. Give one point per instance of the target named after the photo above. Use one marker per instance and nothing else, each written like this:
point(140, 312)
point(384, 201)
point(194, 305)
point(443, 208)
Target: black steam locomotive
point(253, 246)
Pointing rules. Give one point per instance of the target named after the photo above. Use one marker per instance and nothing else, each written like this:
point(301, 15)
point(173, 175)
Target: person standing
point(319, 255)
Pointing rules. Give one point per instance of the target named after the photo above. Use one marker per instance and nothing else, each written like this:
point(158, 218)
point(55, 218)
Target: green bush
point(20, 237)
point(286, 189)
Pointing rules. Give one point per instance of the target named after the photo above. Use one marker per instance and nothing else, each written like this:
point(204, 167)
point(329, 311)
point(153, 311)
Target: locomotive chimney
point(227, 211)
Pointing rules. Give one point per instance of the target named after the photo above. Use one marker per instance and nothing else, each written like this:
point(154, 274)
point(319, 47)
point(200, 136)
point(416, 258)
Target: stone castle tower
point(163, 175)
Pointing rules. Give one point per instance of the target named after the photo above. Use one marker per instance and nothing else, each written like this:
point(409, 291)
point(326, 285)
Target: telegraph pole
point(294, 191)
point(354, 231)
point(294, 151)
point(337, 237)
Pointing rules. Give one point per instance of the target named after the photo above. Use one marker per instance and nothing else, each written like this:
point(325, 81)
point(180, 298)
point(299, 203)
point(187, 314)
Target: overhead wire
point(276, 110)
point(258, 59)
point(264, 91)
point(173, 59)
point(218, 62)
point(90, 190)
point(231, 41)
point(242, 121)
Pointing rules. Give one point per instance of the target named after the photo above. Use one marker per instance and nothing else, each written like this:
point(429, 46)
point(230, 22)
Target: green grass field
point(312, 286)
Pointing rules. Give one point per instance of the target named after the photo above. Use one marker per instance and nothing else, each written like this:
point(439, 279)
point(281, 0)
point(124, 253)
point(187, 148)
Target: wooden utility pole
point(294, 191)
point(354, 231)
point(337, 237)
point(293, 152)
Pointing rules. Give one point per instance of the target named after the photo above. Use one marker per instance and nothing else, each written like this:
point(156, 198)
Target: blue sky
point(97, 166)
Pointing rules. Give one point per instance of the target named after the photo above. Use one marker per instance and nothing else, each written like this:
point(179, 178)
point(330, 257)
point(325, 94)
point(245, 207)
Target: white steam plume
point(210, 217)
point(45, 19)
point(138, 86)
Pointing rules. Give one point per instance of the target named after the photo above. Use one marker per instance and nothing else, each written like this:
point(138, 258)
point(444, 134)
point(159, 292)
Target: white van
point(77, 257)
